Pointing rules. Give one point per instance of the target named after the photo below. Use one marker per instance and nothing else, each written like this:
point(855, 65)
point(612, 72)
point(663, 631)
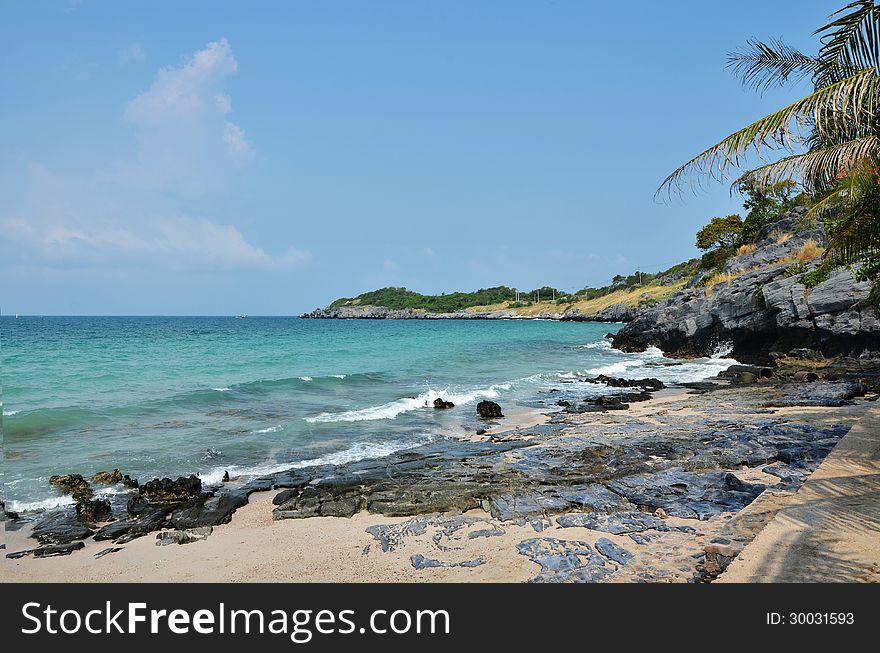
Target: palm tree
point(832, 135)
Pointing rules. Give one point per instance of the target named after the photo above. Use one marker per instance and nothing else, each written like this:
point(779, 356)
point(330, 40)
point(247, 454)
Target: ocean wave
point(394, 408)
point(653, 363)
point(306, 378)
point(221, 389)
point(357, 451)
point(9, 413)
point(270, 429)
point(41, 505)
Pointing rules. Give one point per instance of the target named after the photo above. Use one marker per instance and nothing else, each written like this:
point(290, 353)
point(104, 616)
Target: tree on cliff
point(832, 134)
point(722, 233)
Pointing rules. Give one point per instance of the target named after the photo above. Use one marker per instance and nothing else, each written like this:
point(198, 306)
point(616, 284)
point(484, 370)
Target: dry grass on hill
point(631, 297)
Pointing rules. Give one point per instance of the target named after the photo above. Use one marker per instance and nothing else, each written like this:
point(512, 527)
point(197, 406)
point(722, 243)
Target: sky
point(217, 158)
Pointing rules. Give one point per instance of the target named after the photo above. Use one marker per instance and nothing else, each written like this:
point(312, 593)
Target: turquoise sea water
point(179, 395)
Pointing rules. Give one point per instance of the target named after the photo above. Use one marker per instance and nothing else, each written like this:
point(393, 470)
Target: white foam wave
point(620, 367)
point(40, 506)
point(270, 429)
point(338, 376)
point(306, 378)
point(653, 363)
point(221, 389)
point(599, 344)
point(394, 408)
point(357, 451)
point(9, 413)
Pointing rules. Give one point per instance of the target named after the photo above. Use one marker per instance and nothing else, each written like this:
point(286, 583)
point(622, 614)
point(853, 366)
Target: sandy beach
point(472, 545)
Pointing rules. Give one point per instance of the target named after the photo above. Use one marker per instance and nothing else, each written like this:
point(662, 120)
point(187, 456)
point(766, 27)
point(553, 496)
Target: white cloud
point(132, 215)
point(185, 137)
point(132, 52)
point(233, 136)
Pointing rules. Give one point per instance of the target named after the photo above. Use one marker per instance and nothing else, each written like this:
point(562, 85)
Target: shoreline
point(482, 542)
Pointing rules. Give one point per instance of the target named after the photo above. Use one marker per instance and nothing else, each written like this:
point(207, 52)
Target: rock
point(489, 410)
point(226, 477)
point(108, 478)
point(612, 382)
point(616, 523)
point(495, 531)
point(60, 529)
point(94, 510)
point(762, 310)
point(660, 513)
point(743, 378)
point(167, 491)
point(818, 393)
point(718, 558)
point(805, 376)
point(564, 561)
point(757, 371)
point(129, 482)
point(481, 432)
point(612, 551)
point(108, 551)
point(183, 537)
point(419, 561)
point(441, 403)
point(49, 551)
point(72, 484)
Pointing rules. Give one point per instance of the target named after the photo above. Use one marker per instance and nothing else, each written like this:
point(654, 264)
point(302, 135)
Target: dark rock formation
point(612, 382)
point(94, 510)
point(167, 491)
point(108, 478)
point(564, 561)
point(762, 310)
point(74, 485)
point(489, 410)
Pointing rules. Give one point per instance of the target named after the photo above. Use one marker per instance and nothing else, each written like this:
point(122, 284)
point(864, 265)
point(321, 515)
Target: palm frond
point(851, 211)
point(847, 103)
point(849, 42)
point(761, 65)
point(818, 168)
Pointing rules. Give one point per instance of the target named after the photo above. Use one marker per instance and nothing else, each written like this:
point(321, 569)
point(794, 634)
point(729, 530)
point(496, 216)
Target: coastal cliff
point(767, 303)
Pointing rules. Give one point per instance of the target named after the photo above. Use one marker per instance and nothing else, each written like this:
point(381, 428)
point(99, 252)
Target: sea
point(170, 396)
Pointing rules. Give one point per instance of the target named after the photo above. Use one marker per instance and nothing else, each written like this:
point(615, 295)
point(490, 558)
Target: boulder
point(108, 478)
point(164, 490)
point(94, 510)
point(72, 484)
point(489, 410)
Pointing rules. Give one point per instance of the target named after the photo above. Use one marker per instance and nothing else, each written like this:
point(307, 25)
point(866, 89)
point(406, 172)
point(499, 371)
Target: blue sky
point(266, 158)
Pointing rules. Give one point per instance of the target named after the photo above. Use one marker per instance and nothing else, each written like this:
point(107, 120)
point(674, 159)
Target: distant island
point(608, 303)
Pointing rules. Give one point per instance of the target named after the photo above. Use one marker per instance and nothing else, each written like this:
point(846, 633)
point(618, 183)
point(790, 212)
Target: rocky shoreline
point(765, 303)
point(652, 472)
point(615, 313)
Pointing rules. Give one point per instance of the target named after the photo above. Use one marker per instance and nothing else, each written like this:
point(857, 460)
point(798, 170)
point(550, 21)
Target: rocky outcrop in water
point(489, 410)
point(763, 311)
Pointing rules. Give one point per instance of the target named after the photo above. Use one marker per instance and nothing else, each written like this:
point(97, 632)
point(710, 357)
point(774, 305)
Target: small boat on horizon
point(240, 317)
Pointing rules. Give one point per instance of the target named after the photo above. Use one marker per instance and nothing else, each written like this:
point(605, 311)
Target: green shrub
point(870, 269)
point(765, 206)
point(760, 301)
point(814, 277)
point(795, 269)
